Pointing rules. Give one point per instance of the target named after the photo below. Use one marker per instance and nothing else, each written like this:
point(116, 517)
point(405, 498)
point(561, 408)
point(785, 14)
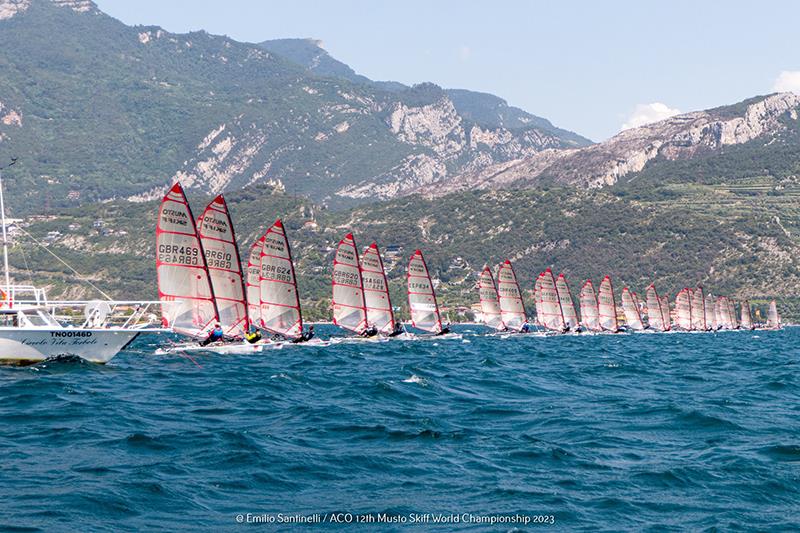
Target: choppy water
point(685, 431)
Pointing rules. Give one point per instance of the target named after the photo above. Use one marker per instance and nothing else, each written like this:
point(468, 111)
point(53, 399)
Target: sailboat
point(567, 305)
point(376, 291)
point(711, 315)
point(665, 312)
point(512, 308)
point(698, 303)
point(589, 309)
point(683, 309)
point(607, 306)
point(537, 290)
point(490, 301)
point(747, 318)
point(732, 313)
point(655, 313)
point(253, 283)
point(552, 316)
point(280, 312)
point(773, 318)
point(630, 307)
point(218, 239)
point(349, 304)
point(422, 297)
point(723, 313)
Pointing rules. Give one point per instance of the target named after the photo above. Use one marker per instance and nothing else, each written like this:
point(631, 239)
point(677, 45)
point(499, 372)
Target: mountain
point(98, 110)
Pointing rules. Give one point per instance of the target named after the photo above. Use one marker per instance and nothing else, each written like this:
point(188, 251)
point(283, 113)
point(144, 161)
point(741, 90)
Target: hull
point(33, 345)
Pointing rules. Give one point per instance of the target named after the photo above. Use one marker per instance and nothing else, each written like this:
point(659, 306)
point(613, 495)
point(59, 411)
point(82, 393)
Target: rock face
point(678, 137)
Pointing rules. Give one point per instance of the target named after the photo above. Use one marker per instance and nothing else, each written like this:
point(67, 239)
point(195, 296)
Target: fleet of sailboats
point(203, 287)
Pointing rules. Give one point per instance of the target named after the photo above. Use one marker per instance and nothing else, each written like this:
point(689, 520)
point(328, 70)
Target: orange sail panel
point(218, 238)
point(512, 308)
point(349, 306)
point(490, 302)
point(421, 296)
point(376, 291)
point(184, 284)
point(280, 302)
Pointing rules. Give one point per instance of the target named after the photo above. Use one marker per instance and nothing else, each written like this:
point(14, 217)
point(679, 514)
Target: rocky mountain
point(768, 122)
point(97, 110)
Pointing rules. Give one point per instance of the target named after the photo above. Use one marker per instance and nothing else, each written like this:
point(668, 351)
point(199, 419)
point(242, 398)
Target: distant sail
point(683, 310)
point(490, 302)
point(537, 287)
point(698, 309)
point(664, 301)
point(349, 305)
point(732, 313)
point(421, 296)
point(711, 316)
point(607, 306)
point(280, 302)
point(589, 310)
point(512, 308)
point(184, 284)
point(654, 313)
point(552, 317)
point(567, 305)
point(253, 283)
point(747, 318)
point(217, 235)
point(773, 318)
point(631, 310)
point(376, 291)
point(721, 317)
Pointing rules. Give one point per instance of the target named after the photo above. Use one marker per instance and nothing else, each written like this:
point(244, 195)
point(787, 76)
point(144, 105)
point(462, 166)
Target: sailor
point(371, 331)
point(525, 328)
point(445, 329)
point(398, 329)
point(305, 337)
point(253, 335)
point(216, 335)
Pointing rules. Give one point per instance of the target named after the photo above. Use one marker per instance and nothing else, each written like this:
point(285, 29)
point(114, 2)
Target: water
point(683, 431)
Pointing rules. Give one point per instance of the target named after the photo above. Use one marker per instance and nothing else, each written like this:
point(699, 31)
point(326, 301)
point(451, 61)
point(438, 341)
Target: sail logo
point(174, 216)
point(215, 225)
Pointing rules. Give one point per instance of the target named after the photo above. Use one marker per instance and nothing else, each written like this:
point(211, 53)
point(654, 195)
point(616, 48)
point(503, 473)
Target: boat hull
point(33, 345)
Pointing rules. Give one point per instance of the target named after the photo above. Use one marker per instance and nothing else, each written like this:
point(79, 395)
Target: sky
point(590, 67)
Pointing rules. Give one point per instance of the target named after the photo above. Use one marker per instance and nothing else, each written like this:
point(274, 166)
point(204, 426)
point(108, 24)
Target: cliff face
point(676, 138)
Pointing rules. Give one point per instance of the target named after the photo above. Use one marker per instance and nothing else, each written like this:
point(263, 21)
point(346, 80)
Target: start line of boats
point(206, 295)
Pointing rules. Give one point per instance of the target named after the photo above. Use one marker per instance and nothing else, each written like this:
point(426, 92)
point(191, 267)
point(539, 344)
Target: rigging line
point(78, 274)
point(27, 266)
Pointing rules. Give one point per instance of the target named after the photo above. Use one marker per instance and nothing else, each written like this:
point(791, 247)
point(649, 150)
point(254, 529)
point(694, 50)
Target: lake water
point(614, 432)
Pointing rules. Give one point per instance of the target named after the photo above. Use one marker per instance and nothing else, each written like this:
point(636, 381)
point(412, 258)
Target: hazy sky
point(590, 67)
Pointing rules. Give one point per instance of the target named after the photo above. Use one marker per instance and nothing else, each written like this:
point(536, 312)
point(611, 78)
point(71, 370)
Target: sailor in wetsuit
point(216, 335)
point(305, 337)
point(371, 331)
point(398, 329)
point(445, 329)
point(253, 335)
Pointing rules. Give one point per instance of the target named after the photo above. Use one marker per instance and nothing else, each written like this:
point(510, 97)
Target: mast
point(5, 235)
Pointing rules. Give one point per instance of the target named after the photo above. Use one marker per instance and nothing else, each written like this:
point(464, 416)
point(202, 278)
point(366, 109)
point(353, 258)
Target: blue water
point(678, 431)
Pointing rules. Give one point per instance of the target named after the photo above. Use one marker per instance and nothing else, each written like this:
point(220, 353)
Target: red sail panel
point(490, 301)
point(349, 306)
point(567, 305)
point(607, 306)
point(512, 308)
point(218, 238)
point(280, 301)
point(589, 310)
point(253, 283)
point(376, 291)
point(421, 296)
point(184, 284)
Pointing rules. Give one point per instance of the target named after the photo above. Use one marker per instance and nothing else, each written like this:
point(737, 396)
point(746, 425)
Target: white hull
point(31, 345)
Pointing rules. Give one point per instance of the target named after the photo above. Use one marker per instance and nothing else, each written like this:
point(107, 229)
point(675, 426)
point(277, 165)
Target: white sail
point(567, 305)
point(552, 316)
point(664, 300)
point(719, 315)
point(376, 291)
point(698, 303)
point(732, 313)
point(773, 318)
point(607, 306)
point(348, 303)
point(184, 284)
point(711, 316)
point(747, 318)
point(655, 316)
point(683, 310)
point(589, 310)
point(537, 286)
point(218, 238)
point(280, 302)
point(631, 310)
point(512, 308)
point(490, 302)
point(253, 283)
point(421, 296)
